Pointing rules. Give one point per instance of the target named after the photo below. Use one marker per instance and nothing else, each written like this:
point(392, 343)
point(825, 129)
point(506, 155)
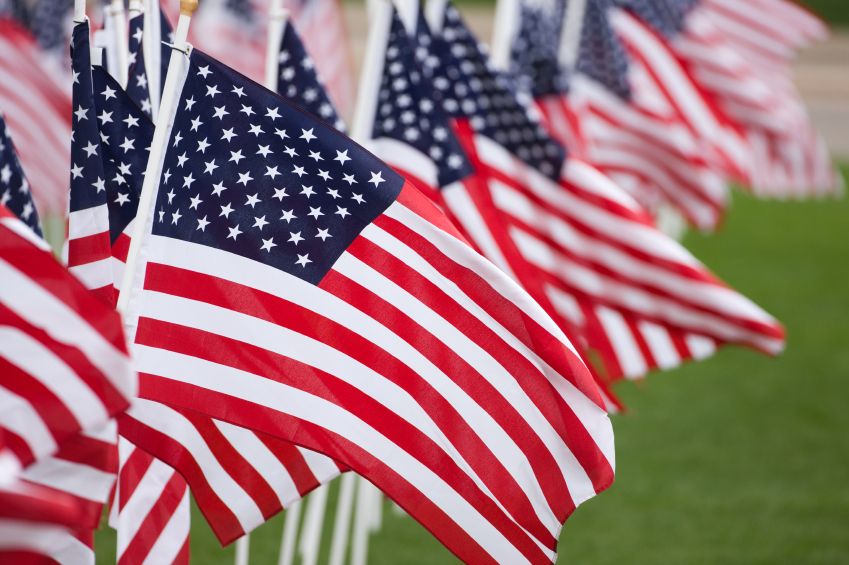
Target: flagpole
point(119, 33)
point(278, 17)
point(151, 41)
point(157, 148)
point(290, 534)
point(79, 11)
point(570, 35)
point(364, 111)
point(134, 9)
point(313, 522)
point(342, 523)
point(507, 15)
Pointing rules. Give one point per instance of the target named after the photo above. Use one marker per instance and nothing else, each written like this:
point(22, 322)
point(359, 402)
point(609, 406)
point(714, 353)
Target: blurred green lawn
point(738, 459)
point(835, 12)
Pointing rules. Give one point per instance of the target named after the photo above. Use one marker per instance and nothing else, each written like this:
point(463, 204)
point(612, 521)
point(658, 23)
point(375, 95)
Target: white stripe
point(405, 157)
point(54, 541)
point(78, 479)
point(304, 406)
point(173, 536)
point(96, 274)
point(139, 504)
point(624, 345)
point(33, 358)
point(88, 222)
point(107, 433)
point(257, 455)
point(567, 305)
point(19, 293)
point(660, 344)
point(322, 467)
point(20, 417)
point(700, 346)
point(177, 427)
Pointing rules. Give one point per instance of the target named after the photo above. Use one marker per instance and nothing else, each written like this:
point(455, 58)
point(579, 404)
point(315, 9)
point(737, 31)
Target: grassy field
point(740, 459)
point(834, 11)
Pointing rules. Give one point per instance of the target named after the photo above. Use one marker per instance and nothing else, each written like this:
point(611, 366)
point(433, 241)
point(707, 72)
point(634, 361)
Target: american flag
point(38, 113)
point(294, 284)
point(65, 374)
point(588, 253)
point(138, 83)
point(229, 474)
point(15, 193)
point(88, 250)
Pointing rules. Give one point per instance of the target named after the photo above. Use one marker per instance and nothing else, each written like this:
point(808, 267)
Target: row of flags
point(440, 303)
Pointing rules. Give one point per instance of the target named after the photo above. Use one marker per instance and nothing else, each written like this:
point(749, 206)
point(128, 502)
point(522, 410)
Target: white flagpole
point(119, 33)
point(342, 523)
point(151, 41)
point(504, 29)
point(157, 148)
point(313, 522)
point(79, 11)
point(570, 35)
point(362, 522)
point(134, 9)
point(380, 20)
point(290, 534)
point(278, 17)
point(243, 549)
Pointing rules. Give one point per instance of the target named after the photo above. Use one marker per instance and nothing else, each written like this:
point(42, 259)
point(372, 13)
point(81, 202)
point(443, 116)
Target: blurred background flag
point(15, 192)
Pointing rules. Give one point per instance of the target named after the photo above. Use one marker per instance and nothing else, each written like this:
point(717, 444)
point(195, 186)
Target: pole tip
point(187, 7)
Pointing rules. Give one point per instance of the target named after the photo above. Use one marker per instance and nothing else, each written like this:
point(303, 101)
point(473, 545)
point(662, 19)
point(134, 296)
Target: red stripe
point(154, 523)
point(22, 557)
point(132, 473)
point(291, 458)
point(287, 371)
point(121, 247)
point(89, 249)
point(94, 453)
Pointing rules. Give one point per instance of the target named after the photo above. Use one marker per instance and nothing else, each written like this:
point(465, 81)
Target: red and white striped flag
point(39, 116)
point(374, 334)
point(580, 246)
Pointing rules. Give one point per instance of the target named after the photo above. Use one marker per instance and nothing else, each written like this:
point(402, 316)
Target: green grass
point(737, 459)
point(835, 12)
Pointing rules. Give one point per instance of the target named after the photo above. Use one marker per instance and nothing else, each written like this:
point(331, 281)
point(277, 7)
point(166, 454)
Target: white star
point(295, 237)
point(167, 175)
point(119, 179)
point(27, 211)
point(259, 223)
point(288, 216)
point(307, 190)
point(279, 193)
point(272, 114)
point(177, 139)
point(138, 35)
point(349, 179)
point(253, 200)
point(323, 234)
point(127, 145)
point(315, 212)
point(204, 71)
point(377, 178)
point(307, 63)
point(211, 166)
point(131, 121)
point(220, 113)
point(264, 150)
point(195, 202)
point(228, 134)
point(202, 224)
point(236, 156)
point(81, 114)
point(76, 77)
point(234, 232)
point(342, 156)
point(299, 171)
point(342, 212)
point(104, 139)
point(100, 185)
point(239, 92)
point(307, 135)
point(212, 91)
point(217, 189)
point(281, 133)
point(455, 161)
point(170, 195)
point(291, 152)
point(244, 178)
point(303, 260)
point(187, 181)
point(316, 156)
point(141, 80)
point(190, 102)
point(6, 174)
point(161, 214)
point(324, 174)
point(8, 196)
point(225, 211)
point(105, 117)
point(175, 217)
point(91, 149)
point(124, 168)
point(267, 244)
point(359, 198)
point(146, 105)
point(333, 193)
point(196, 123)
point(76, 171)
point(256, 130)
point(182, 160)
point(247, 110)
point(202, 145)
point(272, 172)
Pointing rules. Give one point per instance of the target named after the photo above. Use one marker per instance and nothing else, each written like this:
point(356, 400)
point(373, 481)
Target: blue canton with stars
point(15, 192)
point(249, 173)
point(299, 83)
point(600, 55)
point(137, 83)
point(470, 87)
point(406, 110)
point(126, 135)
point(664, 16)
point(533, 55)
point(88, 182)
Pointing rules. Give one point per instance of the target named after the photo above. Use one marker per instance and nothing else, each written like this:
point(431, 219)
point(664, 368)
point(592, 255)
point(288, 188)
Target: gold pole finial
point(187, 7)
